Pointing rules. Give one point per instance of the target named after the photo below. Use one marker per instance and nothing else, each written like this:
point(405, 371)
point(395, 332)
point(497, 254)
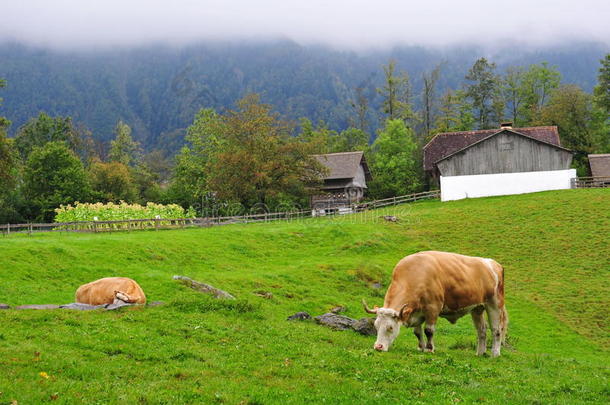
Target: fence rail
point(591, 182)
point(161, 223)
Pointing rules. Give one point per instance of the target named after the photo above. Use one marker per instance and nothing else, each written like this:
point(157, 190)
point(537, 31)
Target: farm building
point(498, 161)
point(600, 165)
point(345, 181)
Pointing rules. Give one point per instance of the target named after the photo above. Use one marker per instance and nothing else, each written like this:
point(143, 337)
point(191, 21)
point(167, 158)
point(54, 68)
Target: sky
point(354, 24)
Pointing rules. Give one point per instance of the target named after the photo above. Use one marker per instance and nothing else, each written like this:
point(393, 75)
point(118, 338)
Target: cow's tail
point(503, 312)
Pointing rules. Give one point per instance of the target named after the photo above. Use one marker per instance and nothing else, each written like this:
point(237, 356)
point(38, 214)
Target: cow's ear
point(403, 314)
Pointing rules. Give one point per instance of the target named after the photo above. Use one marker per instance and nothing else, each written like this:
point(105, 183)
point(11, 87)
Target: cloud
point(354, 24)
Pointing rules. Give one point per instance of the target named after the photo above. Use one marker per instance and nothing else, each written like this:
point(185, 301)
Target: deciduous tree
point(483, 91)
point(123, 149)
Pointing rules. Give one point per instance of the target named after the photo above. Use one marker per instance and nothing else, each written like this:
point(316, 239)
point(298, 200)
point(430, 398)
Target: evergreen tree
point(602, 90)
point(396, 93)
point(123, 149)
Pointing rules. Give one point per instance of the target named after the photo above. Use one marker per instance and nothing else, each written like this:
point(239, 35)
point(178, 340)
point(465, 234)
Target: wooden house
point(600, 165)
point(345, 181)
point(498, 161)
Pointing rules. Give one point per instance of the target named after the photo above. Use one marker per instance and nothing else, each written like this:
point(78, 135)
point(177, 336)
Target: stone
point(155, 303)
point(334, 321)
point(299, 316)
point(38, 306)
point(390, 218)
point(338, 309)
point(78, 306)
point(5, 306)
point(365, 326)
point(203, 288)
point(264, 294)
point(116, 305)
point(376, 285)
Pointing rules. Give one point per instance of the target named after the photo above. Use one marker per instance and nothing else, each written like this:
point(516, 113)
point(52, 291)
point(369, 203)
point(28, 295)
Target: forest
point(220, 136)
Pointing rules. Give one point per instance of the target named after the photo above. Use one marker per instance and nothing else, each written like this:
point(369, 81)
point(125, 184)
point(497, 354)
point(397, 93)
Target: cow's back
point(456, 280)
point(102, 291)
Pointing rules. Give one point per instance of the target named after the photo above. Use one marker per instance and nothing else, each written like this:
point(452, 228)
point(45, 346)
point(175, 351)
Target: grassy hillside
point(553, 245)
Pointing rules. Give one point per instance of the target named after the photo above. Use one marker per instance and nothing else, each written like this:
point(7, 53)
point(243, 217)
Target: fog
point(354, 24)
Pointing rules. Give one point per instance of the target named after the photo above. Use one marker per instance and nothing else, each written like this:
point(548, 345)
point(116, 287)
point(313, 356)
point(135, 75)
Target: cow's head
point(388, 324)
point(121, 296)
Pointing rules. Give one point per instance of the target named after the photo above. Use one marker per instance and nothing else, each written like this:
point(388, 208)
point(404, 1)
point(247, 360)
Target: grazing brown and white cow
point(430, 284)
point(110, 290)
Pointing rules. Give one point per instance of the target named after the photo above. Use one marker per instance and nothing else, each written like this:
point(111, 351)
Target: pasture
point(554, 247)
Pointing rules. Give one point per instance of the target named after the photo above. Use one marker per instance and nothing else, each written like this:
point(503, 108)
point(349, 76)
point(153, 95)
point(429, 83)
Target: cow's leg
point(419, 332)
point(478, 318)
point(493, 313)
point(429, 330)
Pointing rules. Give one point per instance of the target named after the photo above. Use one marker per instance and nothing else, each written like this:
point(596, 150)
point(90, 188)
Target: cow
point(430, 284)
point(110, 290)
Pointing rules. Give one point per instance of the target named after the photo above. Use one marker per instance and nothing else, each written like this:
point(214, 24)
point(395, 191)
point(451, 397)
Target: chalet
point(498, 161)
point(345, 181)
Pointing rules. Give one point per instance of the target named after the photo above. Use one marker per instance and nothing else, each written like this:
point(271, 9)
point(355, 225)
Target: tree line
point(250, 155)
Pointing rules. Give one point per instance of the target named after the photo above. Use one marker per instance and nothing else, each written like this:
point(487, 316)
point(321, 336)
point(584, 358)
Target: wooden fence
point(591, 182)
point(156, 223)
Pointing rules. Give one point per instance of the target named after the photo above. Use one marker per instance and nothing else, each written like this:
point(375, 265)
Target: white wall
point(485, 185)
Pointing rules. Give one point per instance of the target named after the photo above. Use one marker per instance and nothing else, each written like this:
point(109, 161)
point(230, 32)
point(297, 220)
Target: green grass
point(555, 247)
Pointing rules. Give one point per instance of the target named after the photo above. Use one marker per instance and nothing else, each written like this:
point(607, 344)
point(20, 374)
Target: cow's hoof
point(495, 354)
point(427, 350)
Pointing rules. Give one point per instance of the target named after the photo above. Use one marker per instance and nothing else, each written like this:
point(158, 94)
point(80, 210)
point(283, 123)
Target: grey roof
point(600, 165)
point(343, 165)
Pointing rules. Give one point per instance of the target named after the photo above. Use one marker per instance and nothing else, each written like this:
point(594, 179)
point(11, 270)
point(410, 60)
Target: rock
point(376, 285)
point(264, 294)
point(155, 303)
point(390, 218)
point(334, 321)
point(203, 288)
point(81, 307)
point(338, 309)
point(5, 306)
point(38, 306)
point(299, 316)
point(365, 326)
point(116, 305)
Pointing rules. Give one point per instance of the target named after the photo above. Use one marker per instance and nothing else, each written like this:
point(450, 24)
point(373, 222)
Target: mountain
point(158, 89)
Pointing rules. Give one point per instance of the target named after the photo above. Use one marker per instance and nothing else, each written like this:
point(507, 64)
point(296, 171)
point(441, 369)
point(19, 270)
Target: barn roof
point(600, 165)
point(343, 165)
point(448, 143)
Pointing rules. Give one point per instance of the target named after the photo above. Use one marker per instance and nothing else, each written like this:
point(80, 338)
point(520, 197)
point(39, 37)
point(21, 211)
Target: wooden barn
point(498, 161)
point(600, 165)
point(345, 182)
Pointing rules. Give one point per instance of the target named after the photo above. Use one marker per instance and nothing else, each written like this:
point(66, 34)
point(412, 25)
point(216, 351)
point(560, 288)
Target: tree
point(112, 182)
point(54, 175)
point(360, 106)
point(538, 82)
point(429, 80)
point(483, 91)
point(394, 162)
point(580, 128)
point(512, 90)
point(455, 113)
point(247, 155)
point(602, 90)
point(43, 129)
point(123, 148)
point(352, 139)
point(396, 93)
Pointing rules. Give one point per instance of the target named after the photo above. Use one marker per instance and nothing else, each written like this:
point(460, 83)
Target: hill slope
point(553, 246)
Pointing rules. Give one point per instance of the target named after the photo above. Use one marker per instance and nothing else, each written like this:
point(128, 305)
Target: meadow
point(554, 246)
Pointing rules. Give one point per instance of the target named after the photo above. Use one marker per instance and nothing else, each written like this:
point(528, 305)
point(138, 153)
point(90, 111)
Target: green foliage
point(396, 94)
point(53, 176)
point(538, 83)
point(123, 149)
point(44, 129)
point(484, 93)
point(393, 162)
point(200, 350)
point(602, 90)
point(111, 211)
point(112, 182)
point(580, 128)
point(455, 113)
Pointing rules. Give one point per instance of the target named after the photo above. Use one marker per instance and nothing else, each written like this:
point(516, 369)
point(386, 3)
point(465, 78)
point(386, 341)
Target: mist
point(353, 25)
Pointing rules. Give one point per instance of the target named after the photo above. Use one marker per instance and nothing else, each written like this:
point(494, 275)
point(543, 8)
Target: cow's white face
point(388, 328)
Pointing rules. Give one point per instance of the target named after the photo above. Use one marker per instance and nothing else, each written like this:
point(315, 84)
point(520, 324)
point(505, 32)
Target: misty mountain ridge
point(157, 89)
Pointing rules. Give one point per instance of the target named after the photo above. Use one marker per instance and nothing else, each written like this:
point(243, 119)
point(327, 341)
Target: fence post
point(30, 229)
point(8, 229)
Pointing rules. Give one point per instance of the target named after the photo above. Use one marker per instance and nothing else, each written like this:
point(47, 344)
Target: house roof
point(600, 165)
point(448, 143)
point(343, 165)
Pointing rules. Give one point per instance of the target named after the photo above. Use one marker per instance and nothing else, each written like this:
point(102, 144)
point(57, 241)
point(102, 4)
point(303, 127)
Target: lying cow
point(427, 285)
point(110, 290)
